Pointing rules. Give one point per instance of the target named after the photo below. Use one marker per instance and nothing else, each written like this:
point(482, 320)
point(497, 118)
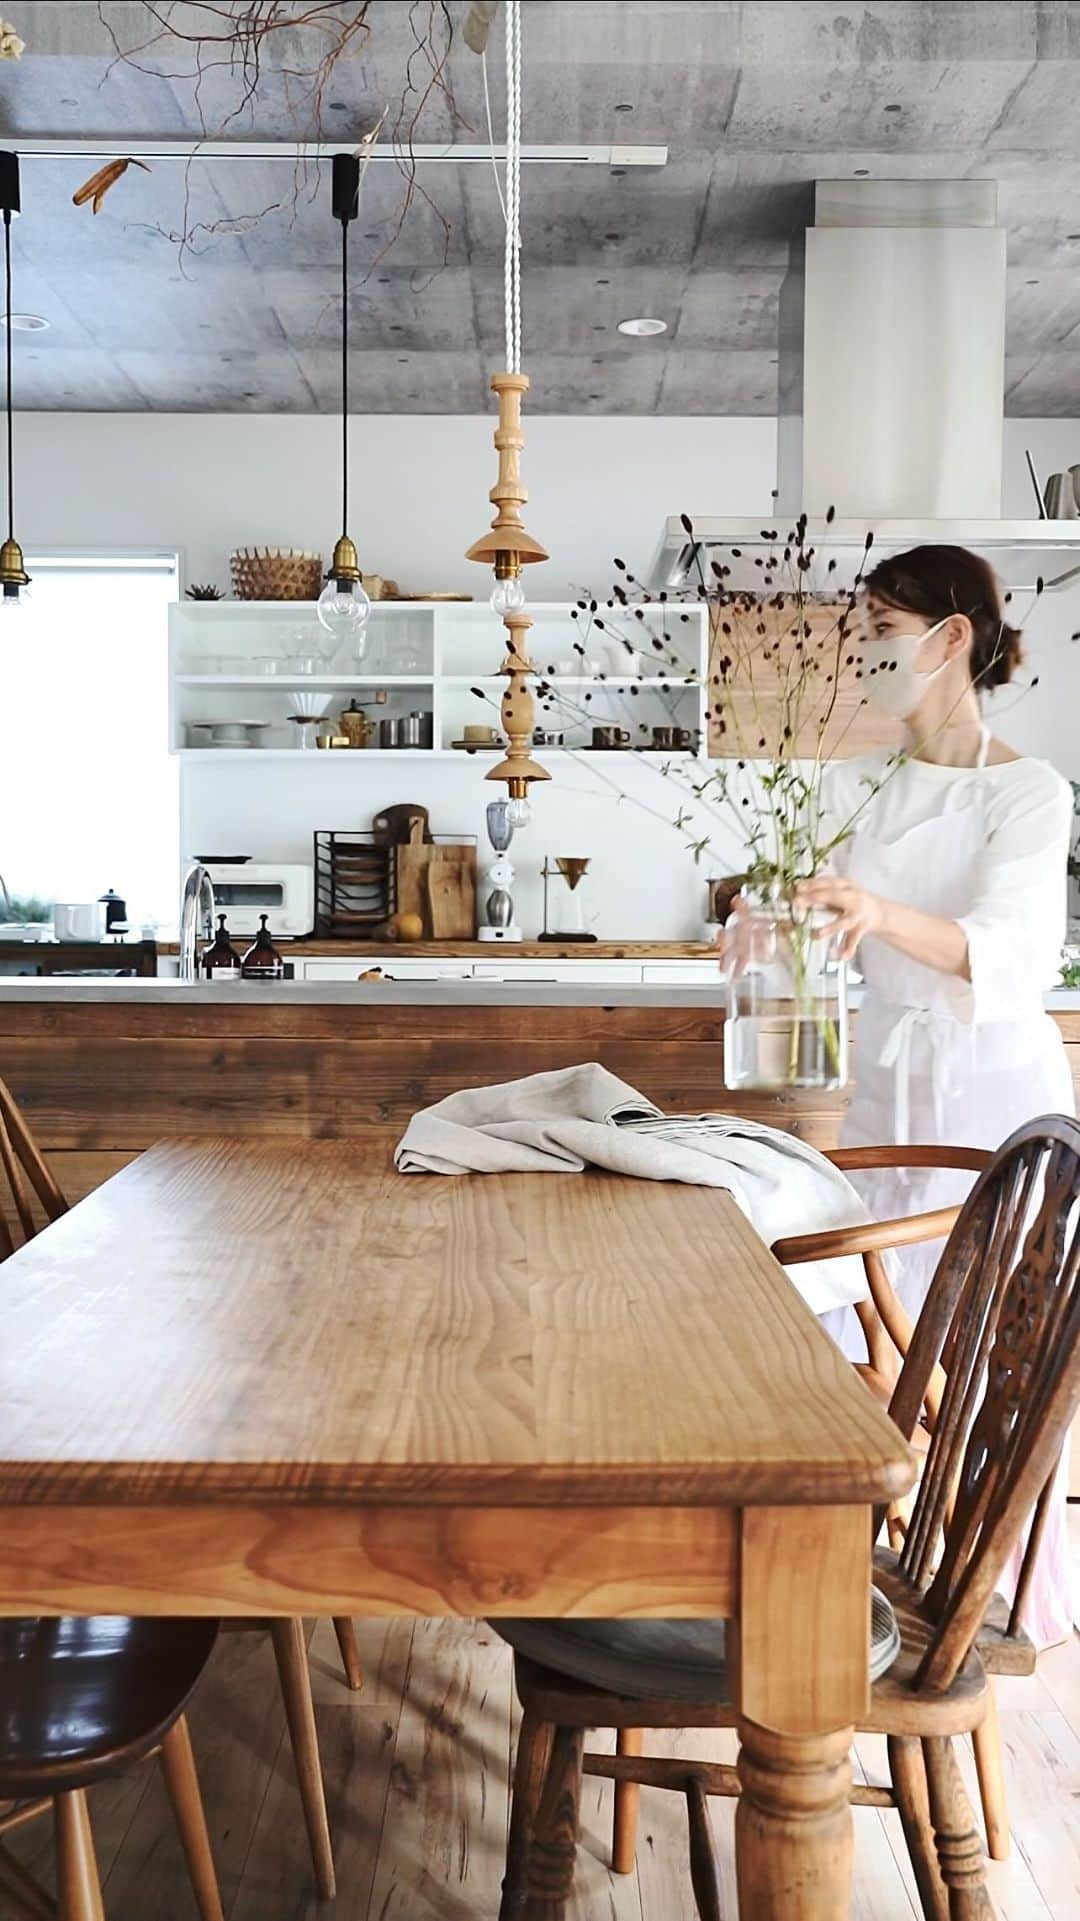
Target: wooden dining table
point(275, 1377)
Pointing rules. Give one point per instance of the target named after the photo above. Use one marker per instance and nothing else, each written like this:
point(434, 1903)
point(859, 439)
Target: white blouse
point(1013, 905)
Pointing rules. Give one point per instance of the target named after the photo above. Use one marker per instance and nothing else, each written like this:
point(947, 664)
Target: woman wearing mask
point(951, 887)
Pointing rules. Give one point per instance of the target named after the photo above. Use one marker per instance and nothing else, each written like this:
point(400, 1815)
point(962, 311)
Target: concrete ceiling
point(754, 102)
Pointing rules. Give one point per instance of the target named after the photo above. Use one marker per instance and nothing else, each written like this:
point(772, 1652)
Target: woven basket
point(276, 573)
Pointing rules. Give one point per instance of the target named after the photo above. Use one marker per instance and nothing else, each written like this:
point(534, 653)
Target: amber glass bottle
point(262, 962)
point(220, 961)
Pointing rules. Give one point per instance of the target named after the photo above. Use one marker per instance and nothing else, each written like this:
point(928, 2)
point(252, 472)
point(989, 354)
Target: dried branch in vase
point(785, 697)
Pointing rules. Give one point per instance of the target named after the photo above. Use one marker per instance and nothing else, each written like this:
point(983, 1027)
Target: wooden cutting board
point(449, 913)
point(452, 896)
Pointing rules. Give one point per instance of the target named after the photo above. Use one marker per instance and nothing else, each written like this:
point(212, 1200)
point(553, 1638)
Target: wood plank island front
point(104, 1069)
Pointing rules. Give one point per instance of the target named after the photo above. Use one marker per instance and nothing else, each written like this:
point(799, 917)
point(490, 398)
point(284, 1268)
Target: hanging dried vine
point(297, 45)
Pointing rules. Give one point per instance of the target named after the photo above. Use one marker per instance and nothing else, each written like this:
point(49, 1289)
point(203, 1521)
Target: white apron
point(921, 1075)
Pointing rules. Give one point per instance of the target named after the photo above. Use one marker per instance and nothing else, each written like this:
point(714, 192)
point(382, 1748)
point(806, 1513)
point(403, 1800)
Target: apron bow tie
point(896, 1054)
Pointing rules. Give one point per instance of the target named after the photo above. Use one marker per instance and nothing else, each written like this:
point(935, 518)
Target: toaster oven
point(245, 890)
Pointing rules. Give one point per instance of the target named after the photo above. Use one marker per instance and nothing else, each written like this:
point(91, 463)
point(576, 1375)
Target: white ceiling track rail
point(300, 153)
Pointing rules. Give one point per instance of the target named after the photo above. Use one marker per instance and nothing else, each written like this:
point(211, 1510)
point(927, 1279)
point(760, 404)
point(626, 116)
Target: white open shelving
point(241, 661)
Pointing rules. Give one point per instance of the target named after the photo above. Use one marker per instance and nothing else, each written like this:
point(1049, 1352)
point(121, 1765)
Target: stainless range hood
point(891, 375)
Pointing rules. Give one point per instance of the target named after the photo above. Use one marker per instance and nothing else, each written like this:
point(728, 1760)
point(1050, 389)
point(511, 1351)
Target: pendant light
point(14, 578)
point(343, 606)
point(506, 548)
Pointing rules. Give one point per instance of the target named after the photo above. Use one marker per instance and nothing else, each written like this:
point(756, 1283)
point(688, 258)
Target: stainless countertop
point(703, 994)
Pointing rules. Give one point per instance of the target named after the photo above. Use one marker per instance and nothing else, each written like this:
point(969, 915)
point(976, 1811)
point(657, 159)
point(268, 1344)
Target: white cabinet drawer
point(328, 970)
point(601, 973)
point(390, 969)
point(682, 973)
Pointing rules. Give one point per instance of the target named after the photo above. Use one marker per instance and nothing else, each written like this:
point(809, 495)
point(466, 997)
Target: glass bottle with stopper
point(262, 962)
point(220, 961)
point(566, 915)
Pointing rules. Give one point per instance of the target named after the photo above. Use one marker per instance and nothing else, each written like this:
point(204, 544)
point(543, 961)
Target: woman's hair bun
point(995, 660)
point(935, 582)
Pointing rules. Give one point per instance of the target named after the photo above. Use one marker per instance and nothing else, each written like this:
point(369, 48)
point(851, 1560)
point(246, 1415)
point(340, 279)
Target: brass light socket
point(12, 571)
point(345, 565)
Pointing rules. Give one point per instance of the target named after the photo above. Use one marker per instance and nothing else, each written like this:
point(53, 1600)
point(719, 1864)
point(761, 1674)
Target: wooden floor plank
point(417, 1767)
point(445, 1821)
point(237, 1727)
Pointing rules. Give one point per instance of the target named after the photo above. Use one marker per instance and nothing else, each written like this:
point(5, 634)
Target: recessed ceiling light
point(862, 173)
point(641, 329)
point(27, 323)
point(894, 107)
point(624, 106)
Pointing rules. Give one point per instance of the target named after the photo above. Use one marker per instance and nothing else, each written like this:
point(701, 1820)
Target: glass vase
point(786, 1023)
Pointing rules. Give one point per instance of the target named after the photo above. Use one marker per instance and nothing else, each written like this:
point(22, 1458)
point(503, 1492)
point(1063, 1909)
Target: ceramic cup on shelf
point(605, 738)
point(79, 920)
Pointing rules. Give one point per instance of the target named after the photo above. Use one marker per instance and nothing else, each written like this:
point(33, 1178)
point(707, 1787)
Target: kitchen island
point(103, 1068)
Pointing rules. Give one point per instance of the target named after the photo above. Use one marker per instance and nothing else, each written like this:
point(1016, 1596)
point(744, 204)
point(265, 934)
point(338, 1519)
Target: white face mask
point(891, 681)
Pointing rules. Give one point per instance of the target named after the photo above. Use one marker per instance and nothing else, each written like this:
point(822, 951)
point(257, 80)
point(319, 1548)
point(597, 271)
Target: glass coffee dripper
point(566, 908)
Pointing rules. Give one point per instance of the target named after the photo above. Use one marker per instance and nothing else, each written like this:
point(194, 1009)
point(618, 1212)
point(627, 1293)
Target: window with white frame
point(88, 789)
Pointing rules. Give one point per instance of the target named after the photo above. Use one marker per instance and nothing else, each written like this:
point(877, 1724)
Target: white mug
point(79, 920)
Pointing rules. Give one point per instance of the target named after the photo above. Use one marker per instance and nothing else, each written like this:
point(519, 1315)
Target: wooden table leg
point(803, 1652)
point(793, 1836)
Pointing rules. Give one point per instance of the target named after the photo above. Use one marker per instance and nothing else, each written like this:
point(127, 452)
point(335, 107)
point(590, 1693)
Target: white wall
point(599, 487)
point(207, 483)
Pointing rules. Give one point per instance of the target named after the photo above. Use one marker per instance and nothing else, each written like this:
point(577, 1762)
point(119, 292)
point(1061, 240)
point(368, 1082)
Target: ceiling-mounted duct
point(891, 388)
point(892, 379)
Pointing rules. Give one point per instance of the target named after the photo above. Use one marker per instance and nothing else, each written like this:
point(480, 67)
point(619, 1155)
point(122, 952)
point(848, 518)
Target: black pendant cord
point(7, 358)
point(344, 377)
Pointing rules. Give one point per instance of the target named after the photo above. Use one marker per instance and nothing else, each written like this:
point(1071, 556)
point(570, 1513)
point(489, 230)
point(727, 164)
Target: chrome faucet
point(196, 906)
point(7, 897)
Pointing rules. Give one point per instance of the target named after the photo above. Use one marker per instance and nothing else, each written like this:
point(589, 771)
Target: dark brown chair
point(1004, 1314)
point(887, 1329)
point(82, 1701)
point(36, 1199)
point(1004, 1647)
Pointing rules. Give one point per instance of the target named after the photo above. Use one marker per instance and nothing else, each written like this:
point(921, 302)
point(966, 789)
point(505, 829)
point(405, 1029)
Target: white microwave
point(245, 890)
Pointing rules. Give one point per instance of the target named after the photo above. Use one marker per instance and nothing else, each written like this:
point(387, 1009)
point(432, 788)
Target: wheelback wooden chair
point(887, 1328)
point(36, 1199)
point(1004, 1314)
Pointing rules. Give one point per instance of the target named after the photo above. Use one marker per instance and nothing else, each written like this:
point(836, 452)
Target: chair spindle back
point(1005, 1311)
point(25, 1176)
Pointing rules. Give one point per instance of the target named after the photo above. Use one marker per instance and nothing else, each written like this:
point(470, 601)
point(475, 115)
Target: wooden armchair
point(1004, 1309)
point(887, 1329)
point(35, 1199)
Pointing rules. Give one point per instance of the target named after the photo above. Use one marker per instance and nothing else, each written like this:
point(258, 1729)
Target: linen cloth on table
point(583, 1116)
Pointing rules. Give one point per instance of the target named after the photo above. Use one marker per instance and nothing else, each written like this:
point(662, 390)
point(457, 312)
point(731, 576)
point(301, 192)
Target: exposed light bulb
point(507, 596)
point(519, 812)
point(13, 599)
point(343, 610)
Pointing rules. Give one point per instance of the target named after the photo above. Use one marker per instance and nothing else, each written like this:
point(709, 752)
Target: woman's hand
point(857, 911)
point(733, 939)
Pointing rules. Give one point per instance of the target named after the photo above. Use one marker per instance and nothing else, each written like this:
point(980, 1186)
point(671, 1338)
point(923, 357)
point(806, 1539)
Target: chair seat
point(660, 1660)
point(81, 1699)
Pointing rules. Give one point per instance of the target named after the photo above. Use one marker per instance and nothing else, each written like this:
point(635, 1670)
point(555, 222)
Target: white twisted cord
point(512, 257)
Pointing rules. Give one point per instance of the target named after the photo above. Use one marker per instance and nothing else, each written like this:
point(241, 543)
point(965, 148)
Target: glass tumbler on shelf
point(786, 1024)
